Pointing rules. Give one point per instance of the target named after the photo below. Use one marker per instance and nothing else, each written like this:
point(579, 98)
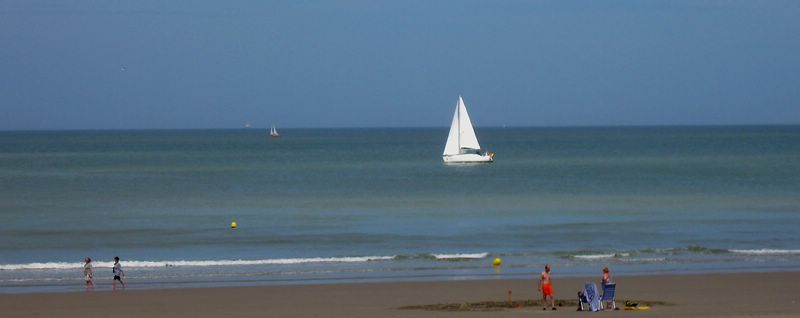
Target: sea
point(379, 205)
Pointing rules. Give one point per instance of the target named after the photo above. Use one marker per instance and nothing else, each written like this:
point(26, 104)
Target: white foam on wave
point(461, 256)
point(644, 260)
point(198, 263)
point(601, 256)
point(766, 251)
point(594, 256)
point(51, 265)
point(25, 280)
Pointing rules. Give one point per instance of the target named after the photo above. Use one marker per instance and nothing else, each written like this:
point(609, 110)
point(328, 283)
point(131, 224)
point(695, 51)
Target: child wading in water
point(87, 273)
point(546, 287)
point(118, 274)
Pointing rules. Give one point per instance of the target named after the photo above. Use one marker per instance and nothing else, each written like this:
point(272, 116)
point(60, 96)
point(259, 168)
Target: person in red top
point(546, 287)
point(606, 280)
point(606, 276)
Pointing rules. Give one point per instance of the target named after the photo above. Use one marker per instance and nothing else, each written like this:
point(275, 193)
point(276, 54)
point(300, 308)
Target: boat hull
point(468, 158)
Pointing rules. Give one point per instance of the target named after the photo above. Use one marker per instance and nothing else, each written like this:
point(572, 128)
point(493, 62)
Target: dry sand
point(709, 295)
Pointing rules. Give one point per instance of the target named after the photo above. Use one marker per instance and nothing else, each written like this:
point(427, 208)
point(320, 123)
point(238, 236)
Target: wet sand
point(707, 295)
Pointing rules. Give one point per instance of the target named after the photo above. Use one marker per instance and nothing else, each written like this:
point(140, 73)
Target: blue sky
point(219, 64)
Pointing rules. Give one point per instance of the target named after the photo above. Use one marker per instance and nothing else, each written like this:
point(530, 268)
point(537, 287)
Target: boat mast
point(458, 112)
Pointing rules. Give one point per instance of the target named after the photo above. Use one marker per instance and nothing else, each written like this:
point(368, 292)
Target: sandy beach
point(707, 295)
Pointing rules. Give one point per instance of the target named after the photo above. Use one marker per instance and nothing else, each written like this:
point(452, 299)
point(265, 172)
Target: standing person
point(87, 273)
point(546, 287)
point(118, 274)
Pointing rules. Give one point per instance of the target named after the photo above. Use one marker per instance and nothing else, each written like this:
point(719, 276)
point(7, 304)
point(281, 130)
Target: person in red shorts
point(546, 287)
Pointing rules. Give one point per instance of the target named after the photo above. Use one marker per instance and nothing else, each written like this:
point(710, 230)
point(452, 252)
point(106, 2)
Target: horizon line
point(408, 127)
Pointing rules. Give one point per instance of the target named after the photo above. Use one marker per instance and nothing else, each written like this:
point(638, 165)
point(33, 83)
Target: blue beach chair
point(608, 295)
point(589, 297)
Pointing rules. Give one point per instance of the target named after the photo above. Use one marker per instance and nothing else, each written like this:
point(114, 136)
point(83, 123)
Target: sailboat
point(462, 144)
point(274, 132)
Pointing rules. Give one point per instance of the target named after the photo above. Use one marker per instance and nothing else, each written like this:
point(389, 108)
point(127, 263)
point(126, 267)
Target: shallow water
point(321, 205)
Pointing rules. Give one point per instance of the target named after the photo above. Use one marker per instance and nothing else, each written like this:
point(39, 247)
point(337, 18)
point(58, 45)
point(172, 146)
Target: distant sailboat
point(462, 144)
point(247, 124)
point(274, 132)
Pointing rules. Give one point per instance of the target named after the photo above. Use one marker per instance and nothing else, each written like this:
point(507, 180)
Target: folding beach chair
point(608, 295)
point(590, 298)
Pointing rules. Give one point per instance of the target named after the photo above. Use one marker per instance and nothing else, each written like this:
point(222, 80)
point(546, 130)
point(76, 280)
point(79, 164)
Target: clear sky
point(219, 64)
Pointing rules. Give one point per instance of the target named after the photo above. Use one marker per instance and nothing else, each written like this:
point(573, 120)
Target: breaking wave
point(240, 262)
point(600, 256)
point(766, 251)
point(198, 263)
point(461, 256)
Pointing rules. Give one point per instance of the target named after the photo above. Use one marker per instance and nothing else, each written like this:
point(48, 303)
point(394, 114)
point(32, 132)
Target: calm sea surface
point(343, 205)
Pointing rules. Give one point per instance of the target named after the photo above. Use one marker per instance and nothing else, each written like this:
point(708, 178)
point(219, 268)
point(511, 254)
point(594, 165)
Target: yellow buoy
point(497, 262)
point(233, 225)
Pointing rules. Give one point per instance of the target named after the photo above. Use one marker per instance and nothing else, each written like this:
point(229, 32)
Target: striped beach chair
point(609, 291)
point(589, 297)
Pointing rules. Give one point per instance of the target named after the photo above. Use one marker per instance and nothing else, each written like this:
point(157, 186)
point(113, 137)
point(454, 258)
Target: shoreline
point(689, 295)
point(103, 283)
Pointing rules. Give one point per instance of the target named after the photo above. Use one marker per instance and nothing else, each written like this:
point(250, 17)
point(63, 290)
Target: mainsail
point(462, 135)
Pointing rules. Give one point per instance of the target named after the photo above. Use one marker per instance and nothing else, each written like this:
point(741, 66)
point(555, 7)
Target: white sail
point(466, 132)
point(273, 132)
point(462, 144)
point(452, 145)
point(462, 135)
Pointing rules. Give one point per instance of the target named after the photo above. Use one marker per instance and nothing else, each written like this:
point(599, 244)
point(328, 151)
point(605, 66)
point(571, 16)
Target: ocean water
point(354, 205)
